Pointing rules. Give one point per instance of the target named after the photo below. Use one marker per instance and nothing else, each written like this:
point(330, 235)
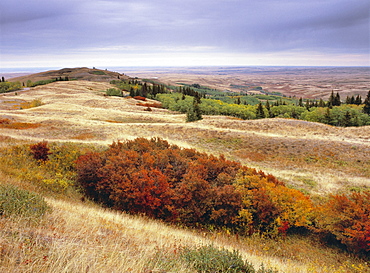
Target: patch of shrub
point(97, 72)
point(163, 181)
point(208, 259)
point(15, 202)
point(31, 104)
point(347, 219)
point(113, 92)
point(40, 151)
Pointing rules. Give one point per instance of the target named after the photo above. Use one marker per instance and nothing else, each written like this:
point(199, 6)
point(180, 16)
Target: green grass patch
point(15, 202)
point(97, 72)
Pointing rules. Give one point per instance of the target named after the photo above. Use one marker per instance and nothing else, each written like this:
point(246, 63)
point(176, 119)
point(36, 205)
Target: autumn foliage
point(40, 151)
point(347, 219)
point(185, 186)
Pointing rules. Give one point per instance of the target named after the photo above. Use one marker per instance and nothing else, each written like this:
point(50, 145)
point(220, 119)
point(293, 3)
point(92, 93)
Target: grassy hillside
point(79, 236)
point(81, 73)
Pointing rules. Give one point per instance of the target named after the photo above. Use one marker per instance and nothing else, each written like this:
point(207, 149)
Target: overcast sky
point(70, 33)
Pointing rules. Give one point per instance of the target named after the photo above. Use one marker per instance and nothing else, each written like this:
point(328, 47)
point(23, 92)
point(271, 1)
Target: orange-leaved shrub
point(165, 181)
point(269, 207)
point(347, 219)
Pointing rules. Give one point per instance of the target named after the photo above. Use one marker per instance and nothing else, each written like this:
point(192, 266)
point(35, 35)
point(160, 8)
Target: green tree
point(300, 102)
point(259, 111)
point(331, 100)
point(366, 108)
point(194, 113)
point(358, 100)
point(327, 116)
point(321, 103)
point(268, 108)
point(337, 101)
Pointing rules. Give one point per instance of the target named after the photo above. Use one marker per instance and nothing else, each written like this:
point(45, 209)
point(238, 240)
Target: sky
point(108, 33)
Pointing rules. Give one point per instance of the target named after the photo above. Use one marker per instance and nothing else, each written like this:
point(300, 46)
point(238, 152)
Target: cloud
point(151, 26)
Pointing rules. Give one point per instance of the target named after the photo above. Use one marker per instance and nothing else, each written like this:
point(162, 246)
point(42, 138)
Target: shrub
point(15, 202)
point(114, 92)
point(162, 181)
point(209, 259)
point(269, 206)
point(40, 151)
point(347, 218)
point(182, 185)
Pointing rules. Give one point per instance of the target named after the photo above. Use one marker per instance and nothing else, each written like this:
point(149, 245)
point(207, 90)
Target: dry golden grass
point(81, 237)
point(310, 156)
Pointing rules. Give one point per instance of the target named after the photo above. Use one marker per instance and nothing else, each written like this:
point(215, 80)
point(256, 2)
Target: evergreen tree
point(347, 119)
point(331, 100)
point(132, 92)
point(300, 102)
point(366, 108)
point(194, 113)
point(358, 100)
point(259, 111)
point(349, 100)
point(308, 106)
point(268, 108)
point(327, 116)
point(321, 103)
point(337, 101)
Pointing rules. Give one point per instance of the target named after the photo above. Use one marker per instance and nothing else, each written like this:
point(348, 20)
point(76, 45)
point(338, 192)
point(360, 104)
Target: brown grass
point(77, 237)
point(9, 124)
point(81, 237)
point(84, 136)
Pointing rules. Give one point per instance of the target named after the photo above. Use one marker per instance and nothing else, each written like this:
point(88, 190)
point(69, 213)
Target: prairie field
point(79, 236)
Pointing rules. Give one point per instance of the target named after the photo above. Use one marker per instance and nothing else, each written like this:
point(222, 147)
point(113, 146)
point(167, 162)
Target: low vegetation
point(200, 186)
point(19, 203)
point(188, 187)
point(162, 208)
point(344, 115)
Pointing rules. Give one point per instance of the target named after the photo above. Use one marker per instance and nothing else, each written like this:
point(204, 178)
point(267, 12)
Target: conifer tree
point(308, 106)
point(268, 108)
point(347, 119)
point(194, 113)
point(331, 100)
point(366, 108)
point(337, 101)
point(259, 111)
point(358, 100)
point(327, 116)
point(348, 100)
point(300, 102)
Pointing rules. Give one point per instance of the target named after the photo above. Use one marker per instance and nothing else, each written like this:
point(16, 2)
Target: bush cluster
point(209, 259)
point(152, 177)
point(182, 185)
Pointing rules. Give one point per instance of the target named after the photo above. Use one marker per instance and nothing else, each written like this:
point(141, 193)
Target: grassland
point(79, 236)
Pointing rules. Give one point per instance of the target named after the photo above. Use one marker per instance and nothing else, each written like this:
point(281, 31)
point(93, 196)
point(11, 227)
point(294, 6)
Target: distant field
point(306, 82)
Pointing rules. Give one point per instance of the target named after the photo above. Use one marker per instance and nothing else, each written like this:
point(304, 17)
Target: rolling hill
point(80, 236)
